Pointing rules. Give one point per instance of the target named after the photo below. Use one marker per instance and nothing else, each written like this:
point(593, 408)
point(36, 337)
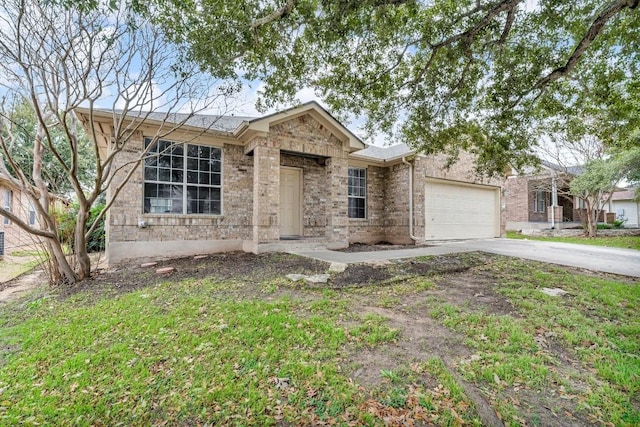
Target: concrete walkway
point(625, 262)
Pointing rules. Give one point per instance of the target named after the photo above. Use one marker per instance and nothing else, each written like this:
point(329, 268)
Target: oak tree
point(486, 76)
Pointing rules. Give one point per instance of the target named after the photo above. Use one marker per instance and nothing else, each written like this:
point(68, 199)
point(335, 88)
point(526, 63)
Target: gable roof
point(241, 127)
point(384, 154)
point(572, 170)
point(315, 110)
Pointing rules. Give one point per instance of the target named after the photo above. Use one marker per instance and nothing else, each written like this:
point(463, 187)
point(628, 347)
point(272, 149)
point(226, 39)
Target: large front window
point(357, 193)
point(182, 178)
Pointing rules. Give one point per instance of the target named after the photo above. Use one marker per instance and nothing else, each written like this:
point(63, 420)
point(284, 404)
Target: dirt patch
point(443, 264)
point(238, 265)
point(14, 288)
point(473, 289)
point(361, 275)
point(421, 338)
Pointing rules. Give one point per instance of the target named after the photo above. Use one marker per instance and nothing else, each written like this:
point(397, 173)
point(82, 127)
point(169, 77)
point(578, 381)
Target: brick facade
point(520, 207)
point(15, 238)
point(250, 217)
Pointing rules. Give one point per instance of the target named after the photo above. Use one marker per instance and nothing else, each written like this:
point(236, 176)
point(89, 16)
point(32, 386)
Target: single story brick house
point(297, 177)
point(539, 198)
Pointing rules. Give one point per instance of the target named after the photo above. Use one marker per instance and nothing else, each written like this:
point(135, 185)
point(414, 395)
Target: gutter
point(414, 238)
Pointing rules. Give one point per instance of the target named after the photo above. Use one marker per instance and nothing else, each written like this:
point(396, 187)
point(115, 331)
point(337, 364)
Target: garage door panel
point(458, 211)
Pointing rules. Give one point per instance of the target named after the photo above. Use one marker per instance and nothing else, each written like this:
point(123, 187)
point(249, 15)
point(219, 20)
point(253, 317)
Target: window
point(7, 204)
point(182, 179)
point(357, 193)
point(539, 201)
point(32, 214)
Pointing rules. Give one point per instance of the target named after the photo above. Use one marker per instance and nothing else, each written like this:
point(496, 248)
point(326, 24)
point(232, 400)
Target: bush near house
point(66, 228)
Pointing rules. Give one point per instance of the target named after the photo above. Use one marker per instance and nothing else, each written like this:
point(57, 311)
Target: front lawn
point(446, 340)
point(12, 266)
point(627, 242)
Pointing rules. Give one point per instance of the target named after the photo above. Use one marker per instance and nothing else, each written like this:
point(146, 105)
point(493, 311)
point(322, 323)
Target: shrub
point(67, 223)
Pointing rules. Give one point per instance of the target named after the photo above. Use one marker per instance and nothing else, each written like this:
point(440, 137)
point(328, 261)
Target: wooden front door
point(290, 202)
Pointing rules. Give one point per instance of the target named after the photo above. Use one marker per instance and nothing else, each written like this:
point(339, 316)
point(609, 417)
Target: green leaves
point(437, 74)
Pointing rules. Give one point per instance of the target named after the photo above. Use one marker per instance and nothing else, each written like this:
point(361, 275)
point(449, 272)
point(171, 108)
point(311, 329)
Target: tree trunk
point(592, 220)
point(80, 244)
point(60, 269)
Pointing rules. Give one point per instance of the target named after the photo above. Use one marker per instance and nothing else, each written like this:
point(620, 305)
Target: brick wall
point(396, 207)
point(234, 223)
point(388, 217)
point(15, 238)
point(517, 199)
point(371, 229)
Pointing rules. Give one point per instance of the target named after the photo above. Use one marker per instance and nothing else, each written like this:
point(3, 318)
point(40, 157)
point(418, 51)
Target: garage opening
point(455, 210)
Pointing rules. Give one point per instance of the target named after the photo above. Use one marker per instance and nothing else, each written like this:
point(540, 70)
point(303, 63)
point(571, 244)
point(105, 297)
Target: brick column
point(337, 233)
point(266, 192)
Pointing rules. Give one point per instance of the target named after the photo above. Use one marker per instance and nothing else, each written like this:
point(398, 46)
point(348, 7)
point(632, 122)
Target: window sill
point(359, 219)
point(176, 215)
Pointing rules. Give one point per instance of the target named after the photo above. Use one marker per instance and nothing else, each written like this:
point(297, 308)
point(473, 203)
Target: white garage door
point(461, 211)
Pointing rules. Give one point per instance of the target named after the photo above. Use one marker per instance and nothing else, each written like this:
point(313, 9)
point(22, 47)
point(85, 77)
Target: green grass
point(11, 270)
point(627, 242)
point(267, 353)
point(596, 323)
point(171, 353)
point(183, 354)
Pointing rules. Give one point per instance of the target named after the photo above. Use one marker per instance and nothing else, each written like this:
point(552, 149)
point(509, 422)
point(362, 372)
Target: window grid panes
point(539, 201)
point(357, 193)
point(182, 179)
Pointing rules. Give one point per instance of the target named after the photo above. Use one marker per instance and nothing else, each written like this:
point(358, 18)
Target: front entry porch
point(299, 199)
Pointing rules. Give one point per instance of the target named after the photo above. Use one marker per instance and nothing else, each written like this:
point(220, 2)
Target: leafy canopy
point(488, 76)
point(23, 123)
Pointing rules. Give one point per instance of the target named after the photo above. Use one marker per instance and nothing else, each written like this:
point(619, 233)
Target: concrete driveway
point(596, 258)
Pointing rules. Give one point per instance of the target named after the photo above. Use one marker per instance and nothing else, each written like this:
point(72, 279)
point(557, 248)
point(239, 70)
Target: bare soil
point(456, 279)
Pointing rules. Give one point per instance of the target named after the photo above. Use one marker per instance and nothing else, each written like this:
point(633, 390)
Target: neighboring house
point(12, 199)
point(626, 207)
point(297, 177)
point(539, 198)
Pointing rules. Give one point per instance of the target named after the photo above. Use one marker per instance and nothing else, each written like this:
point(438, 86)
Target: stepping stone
point(316, 279)
point(296, 277)
point(165, 270)
point(337, 267)
point(554, 292)
point(148, 264)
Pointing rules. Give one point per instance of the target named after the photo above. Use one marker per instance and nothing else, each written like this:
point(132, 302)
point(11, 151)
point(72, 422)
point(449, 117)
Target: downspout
point(414, 238)
point(554, 201)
